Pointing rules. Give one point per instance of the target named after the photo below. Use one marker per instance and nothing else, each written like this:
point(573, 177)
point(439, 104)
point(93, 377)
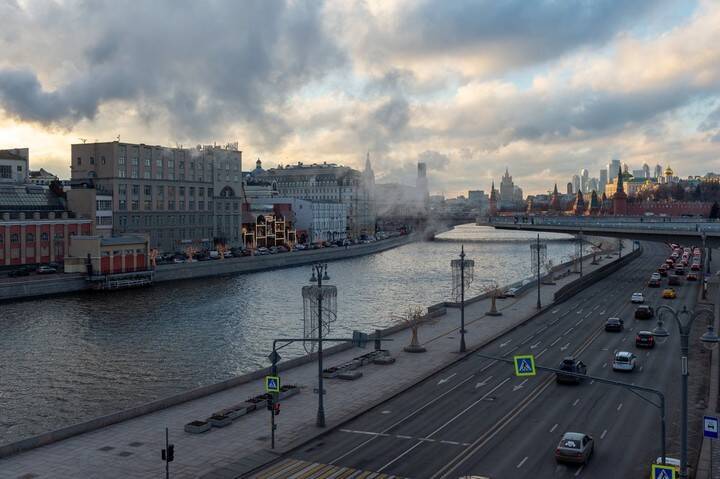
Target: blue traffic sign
point(272, 384)
point(524, 365)
point(710, 427)
point(662, 472)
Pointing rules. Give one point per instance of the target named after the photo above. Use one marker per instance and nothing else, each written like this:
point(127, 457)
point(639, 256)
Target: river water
point(71, 358)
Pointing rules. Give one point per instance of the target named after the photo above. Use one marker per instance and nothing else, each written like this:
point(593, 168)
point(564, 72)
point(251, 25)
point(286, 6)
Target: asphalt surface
point(477, 418)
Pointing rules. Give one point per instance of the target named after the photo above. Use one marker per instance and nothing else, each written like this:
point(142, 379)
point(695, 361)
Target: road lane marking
point(447, 423)
point(533, 346)
point(587, 315)
point(509, 352)
point(579, 311)
point(541, 353)
point(565, 347)
point(528, 338)
point(519, 386)
point(577, 473)
point(502, 345)
point(576, 402)
point(624, 338)
point(541, 330)
point(487, 366)
point(604, 365)
point(641, 368)
point(602, 312)
point(552, 429)
point(521, 462)
point(578, 323)
point(554, 311)
point(367, 433)
point(596, 307)
point(385, 412)
point(647, 354)
point(556, 341)
point(401, 436)
point(568, 331)
point(454, 443)
point(483, 382)
point(619, 406)
point(604, 433)
point(444, 380)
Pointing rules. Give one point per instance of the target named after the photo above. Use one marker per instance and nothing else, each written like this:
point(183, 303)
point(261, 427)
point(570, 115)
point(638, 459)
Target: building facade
point(329, 183)
point(14, 165)
point(178, 196)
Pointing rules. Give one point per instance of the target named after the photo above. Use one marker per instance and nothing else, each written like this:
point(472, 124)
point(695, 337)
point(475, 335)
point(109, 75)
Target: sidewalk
point(131, 449)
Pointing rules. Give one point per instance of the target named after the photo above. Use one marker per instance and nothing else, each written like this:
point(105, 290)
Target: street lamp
point(460, 280)
point(684, 321)
point(319, 274)
point(538, 252)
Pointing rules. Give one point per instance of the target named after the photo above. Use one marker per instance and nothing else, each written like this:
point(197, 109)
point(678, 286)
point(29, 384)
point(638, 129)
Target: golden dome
point(669, 171)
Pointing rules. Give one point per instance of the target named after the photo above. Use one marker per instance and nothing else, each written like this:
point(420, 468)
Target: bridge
point(685, 231)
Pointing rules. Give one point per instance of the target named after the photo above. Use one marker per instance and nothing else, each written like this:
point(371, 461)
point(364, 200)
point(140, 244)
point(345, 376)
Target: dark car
point(654, 283)
point(571, 365)
point(679, 271)
point(645, 339)
point(19, 272)
point(574, 447)
point(614, 324)
point(644, 312)
point(663, 272)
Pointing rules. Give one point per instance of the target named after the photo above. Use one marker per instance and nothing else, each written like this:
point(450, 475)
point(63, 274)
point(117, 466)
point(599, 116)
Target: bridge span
point(684, 231)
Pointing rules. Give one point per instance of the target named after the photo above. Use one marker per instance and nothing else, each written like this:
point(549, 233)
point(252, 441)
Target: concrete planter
point(220, 421)
point(290, 391)
point(330, 372)
point(384, 360)
point(350, 375)
point(197, 427)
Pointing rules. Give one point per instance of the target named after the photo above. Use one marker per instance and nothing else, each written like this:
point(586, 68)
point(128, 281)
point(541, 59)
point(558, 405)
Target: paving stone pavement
point(131, 449)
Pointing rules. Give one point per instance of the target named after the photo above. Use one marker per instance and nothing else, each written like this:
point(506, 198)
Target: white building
point(313, 221)
point(14, 165)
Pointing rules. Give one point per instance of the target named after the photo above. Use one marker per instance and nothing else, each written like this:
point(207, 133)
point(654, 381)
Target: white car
point(637, 298)
point(512, 292)
point(624, 361)
point(655, 276)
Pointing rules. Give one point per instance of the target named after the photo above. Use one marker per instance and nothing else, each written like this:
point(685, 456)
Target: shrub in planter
point(220, 421)
point(197, 427)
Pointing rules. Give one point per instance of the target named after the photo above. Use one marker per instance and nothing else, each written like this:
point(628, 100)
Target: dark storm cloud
point(206, 64)
point(517, 31)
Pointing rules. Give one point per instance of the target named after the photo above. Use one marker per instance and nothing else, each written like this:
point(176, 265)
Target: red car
point(692, 277)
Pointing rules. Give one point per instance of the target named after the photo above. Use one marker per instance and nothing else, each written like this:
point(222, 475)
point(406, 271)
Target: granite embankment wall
point(33, 287)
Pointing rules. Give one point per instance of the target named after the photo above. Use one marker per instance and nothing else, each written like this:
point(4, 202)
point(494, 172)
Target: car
point(644, 312)
point(691, 277)
point(571, 365)
point(669, 293)
point(674, 280)
point(228, 254)
point(637, 298)
point(695, 267)
point(511, 293)
point(614, 324)
point(19, 272)
point(644, 339)
point(624, 361)
point(679, 270)
point(262, 251)
point(655, 276)
point(178, 260)
point(575, 447)
point(654, 283)
point(669, 261)
point(662, 272)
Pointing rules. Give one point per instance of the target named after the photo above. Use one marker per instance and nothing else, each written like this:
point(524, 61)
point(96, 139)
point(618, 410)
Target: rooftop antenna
point(84, 140)
point(118, 138)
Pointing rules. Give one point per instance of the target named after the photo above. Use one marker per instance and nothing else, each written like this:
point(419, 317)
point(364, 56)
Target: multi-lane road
point(477, 418)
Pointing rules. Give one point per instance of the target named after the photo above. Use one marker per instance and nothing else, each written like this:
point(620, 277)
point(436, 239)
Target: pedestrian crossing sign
point(524, 365)
point(660, 471)
point(272, 384)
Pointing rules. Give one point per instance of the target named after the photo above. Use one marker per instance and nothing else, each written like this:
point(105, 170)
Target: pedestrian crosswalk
point(297, 469)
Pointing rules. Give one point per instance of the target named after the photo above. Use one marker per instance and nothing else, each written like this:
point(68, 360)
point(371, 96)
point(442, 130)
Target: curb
point(332, 425)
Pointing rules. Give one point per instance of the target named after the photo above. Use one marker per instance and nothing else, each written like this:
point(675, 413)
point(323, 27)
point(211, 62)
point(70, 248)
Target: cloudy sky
point(545, 88)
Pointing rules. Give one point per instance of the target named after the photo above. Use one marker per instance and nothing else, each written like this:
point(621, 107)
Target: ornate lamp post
point(317, 299)
point(460, 281)
point(684, 320)
point(538, 252)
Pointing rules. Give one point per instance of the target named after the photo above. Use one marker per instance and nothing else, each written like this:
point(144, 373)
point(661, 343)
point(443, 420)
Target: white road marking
point(520, 386)
point(592, 381)
point(576, 402)
point(554, 311)
point(604, 433)
point(647, 354)
point(488, 366)
point(587, 315)
point(568, 331)
point(619, 406)
point(400, 436)
point(533, 346)
point(385, 412)
point(604, 365)
point(521, 462)
point(541, 353)
point(578, 323)
point(640, 369)
point(624, 338)
point(367, 433)
point(596, 307)
point(552, 429)
point(528, 338)
point(444, 380)
point(483, 382)
point(556, 341)
point(510, 351)
point(602, 312)
point(577, 473)
point(565, 347)
point(502, 345)
point(579, 311)
point(454, 443)
point(541, 330)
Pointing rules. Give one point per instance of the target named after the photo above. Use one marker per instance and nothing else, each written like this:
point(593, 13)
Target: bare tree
point(412, 317)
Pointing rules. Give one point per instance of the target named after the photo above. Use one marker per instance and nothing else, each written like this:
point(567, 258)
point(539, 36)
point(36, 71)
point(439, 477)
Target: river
point(71, 358)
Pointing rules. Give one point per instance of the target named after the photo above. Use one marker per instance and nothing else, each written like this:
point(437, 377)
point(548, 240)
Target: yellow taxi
point(669, 293)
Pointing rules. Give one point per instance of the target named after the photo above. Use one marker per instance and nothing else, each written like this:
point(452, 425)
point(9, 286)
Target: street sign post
point(524, 365)
point(662, 472)
point(272, 384)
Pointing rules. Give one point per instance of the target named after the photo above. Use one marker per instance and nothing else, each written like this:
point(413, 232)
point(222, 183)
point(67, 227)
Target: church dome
point(669, 171)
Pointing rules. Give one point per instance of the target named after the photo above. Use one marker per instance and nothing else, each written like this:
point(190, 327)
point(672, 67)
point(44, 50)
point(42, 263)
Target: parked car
point(44, 269)
point(262, 251)
point(614, 324)
point(23, 271)
point(644, 312)
point(228, 254)
point(644, 339)
point(511, 293)
point(574, 447)
point(691, 277)
point(669, 293)
point(637, 298)
point(624, 361)
point(571, 365)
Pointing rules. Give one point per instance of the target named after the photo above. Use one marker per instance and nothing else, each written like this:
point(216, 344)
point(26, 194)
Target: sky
point(544, 88)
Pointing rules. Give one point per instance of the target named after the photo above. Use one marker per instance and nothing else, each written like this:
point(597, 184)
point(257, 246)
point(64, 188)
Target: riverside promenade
point(131, 448)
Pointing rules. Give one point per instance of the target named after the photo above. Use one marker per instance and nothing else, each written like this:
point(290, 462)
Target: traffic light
point(270, 403)
point(277, 409)
point(168, 455)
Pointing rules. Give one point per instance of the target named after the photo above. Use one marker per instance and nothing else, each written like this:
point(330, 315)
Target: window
point(6, 171)
point(44, 236)
point(192, 192)
point(102, 160)
point(29, 237)
point(171, 205)
point(79, 160)
point(134, 172)
point(121, 161)
point(122, 204)
point(201, 205)
point(171, 163)
point(161, 191)
point(182, 191)
point(210, 192)
point(14, 238)
point(135, 205)
point(148, 163)
point(148, 190)
point(121, 173)
point(201, 192)
point(134, 162)
point(147, 174)
point(159, 204)
point(191, 205)
point(148, 205)
point(135, 190)
point(159, 162)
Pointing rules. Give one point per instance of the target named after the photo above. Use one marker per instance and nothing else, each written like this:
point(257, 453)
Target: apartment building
point(178, 196)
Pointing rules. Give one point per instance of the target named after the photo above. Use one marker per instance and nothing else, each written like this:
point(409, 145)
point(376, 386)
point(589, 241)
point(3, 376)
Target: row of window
point(160, 191)
point(30, 237)
point(170, 220)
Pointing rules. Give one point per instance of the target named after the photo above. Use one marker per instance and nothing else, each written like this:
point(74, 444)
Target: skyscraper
point(613, 169)
point(603, 178)
point(646, 170)
point(507, 190)
point(584, 178)
point(658, 172)
point(576, 182)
